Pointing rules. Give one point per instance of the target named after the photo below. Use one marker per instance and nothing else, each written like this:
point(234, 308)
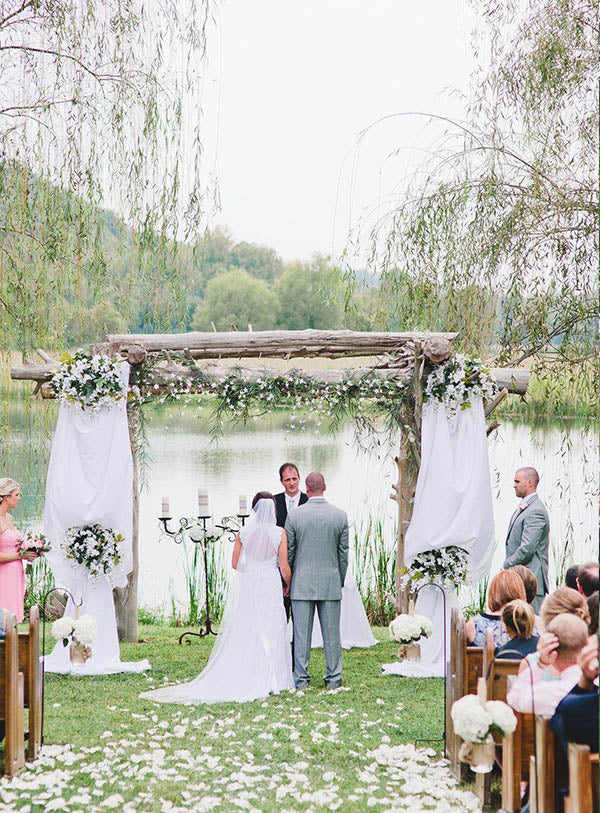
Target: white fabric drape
point(453, 498)
point(453, 506)
point(90, 480)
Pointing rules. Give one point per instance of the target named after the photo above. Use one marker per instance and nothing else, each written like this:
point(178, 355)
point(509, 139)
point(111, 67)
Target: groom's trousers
point(329, 617)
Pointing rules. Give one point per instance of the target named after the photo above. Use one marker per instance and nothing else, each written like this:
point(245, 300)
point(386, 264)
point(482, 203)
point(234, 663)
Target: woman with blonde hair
point(12, 579)
point(519, 620)
point(504, 587)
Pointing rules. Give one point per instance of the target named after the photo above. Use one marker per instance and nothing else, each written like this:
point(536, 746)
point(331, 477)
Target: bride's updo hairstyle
point(262, 495)
point(7, 486)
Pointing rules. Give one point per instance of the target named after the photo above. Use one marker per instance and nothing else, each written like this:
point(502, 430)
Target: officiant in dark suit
point(528, 532)
point(291, 497)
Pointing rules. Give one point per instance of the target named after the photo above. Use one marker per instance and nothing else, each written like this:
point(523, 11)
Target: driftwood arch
point(398, 356)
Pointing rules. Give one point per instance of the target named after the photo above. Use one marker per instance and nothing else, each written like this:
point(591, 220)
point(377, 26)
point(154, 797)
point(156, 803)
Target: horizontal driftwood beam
point(514, 380)
point(272, 343)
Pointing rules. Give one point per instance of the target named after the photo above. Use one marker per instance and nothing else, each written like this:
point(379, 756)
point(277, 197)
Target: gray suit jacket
point(527, 542)
point(317, 534)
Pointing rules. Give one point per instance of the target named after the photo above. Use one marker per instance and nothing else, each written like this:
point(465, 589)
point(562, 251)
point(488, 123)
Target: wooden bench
point(464, 670)
point(583, 780)
point(11, 699)
point(31, 667)
point(550, 767)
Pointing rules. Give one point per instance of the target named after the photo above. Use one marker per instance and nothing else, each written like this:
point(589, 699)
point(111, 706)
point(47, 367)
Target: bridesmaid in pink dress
point(12, 579)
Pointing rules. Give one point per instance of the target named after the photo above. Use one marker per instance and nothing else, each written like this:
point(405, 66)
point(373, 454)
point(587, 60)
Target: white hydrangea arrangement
point(476, 722)
point(407, 628)
point(456, 382)
point(94, 547)
point(89, 382)
point(79, 630)
point(446, 566)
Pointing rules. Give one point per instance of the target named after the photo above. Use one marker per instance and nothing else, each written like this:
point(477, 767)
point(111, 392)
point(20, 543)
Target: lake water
point(183, 458)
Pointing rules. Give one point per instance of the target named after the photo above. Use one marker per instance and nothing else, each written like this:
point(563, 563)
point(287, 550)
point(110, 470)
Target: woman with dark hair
point(251, 656)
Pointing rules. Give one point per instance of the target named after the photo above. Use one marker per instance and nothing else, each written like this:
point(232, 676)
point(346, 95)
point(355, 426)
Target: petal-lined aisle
point(346, 749)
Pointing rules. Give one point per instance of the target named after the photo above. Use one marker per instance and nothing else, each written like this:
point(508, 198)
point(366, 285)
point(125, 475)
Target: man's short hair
point(315, 482)
point(285, 466)
point(571, 577)
point(529, 581)
point(572, 634)
point(530, 474)
point(589, 578)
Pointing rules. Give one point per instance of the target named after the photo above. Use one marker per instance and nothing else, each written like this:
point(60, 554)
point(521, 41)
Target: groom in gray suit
point(317, 534)
point(528, 532)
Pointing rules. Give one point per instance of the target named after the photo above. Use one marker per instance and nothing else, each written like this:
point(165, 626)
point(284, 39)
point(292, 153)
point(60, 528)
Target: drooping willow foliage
point(100, 112)
point(496, 235)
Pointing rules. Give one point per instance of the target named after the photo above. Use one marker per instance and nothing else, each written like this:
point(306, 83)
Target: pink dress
point(12, 579)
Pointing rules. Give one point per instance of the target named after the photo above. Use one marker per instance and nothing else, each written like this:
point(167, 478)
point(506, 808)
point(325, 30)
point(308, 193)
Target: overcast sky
point(289, 87)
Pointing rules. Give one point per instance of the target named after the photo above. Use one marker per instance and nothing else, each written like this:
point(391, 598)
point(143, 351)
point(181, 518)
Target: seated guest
point(592, 604)
point(504, 587)
point(531, 691)
point(588, 579)
point(519, 619)
point(562, 600)
point(571, 577)
point(576, 716)
point(530, 582)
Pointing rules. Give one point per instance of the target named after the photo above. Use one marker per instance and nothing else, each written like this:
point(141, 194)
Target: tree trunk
point(126, 598)
point(404, 492)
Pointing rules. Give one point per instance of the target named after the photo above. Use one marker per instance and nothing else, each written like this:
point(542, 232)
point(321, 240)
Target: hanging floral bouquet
point(90, 382)
point(94, 547)
point(79, 633)
point(476, 722)
point(456, 382)
point(33, 543)
point(445, 566)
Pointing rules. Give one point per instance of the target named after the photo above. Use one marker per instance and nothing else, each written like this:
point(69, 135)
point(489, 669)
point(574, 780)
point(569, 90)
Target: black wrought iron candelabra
point(197, 531)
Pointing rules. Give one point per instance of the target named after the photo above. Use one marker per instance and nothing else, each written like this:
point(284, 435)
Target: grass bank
point(348, 749)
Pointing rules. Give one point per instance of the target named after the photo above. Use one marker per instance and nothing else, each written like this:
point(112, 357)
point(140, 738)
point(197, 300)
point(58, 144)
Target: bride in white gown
point(251, 657)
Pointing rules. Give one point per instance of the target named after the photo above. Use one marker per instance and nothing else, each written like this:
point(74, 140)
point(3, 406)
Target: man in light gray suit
point(528, 532)
point(317, 534)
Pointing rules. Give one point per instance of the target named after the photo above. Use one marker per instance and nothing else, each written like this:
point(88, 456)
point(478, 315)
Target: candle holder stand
point(195, 529)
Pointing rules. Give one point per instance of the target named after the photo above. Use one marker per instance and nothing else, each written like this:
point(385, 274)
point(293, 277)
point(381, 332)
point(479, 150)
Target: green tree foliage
point(498, 230)
point(94, 100)
point(259, 261)
point(235, 299)
point(310, 296)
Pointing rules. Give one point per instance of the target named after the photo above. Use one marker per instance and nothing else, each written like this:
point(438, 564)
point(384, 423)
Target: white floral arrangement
point(476, 722)
point(456, 382)
point(89, 382)
point(94, 547)
point(407, 628)
point(444, 567)
point(33, 543)
point(80, 630)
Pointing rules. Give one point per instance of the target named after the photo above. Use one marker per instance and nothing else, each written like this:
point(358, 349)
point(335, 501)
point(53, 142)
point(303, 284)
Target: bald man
point(528, 532)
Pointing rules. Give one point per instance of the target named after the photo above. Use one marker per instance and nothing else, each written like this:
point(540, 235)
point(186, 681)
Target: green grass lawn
point(316, 750)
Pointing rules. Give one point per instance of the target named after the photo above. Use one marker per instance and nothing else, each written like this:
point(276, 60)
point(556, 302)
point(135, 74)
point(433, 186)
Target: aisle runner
point(90, 480)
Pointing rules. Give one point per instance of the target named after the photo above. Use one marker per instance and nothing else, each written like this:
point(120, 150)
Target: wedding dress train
point(251, 657)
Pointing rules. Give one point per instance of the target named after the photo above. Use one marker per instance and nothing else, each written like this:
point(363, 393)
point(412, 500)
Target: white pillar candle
point(165, 507)
point(203, 510)
point(243, 508)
